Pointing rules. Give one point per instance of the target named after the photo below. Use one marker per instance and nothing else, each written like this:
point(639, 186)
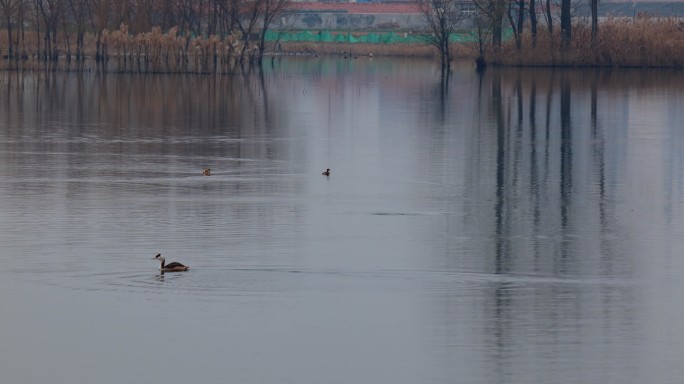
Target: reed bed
point(157, 52)
point(640, 42)
point(150, 52)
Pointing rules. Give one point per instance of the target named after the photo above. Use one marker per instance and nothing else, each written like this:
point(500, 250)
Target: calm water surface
point(523, 226)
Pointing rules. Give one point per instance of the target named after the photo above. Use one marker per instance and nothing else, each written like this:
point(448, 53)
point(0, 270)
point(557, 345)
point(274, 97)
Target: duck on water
point(170, 267)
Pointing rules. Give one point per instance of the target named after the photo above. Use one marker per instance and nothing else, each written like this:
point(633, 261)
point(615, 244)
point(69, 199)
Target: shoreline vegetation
point(642, 41)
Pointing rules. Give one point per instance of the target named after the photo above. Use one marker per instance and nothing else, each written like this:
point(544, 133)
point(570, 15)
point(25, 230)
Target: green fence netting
point(358, 37)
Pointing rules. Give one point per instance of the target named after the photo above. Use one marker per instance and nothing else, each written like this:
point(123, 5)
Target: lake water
point(522, 226)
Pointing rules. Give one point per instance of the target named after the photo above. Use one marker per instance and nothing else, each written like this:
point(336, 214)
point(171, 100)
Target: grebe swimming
point(206, 172)
point(326, 173)
point(171, 267)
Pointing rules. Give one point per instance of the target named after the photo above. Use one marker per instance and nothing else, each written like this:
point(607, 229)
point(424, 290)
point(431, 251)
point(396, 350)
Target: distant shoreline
point(642, 42)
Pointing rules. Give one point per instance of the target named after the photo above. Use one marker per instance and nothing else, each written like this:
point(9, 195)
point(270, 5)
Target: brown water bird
point(206, 172)
point(326, 173)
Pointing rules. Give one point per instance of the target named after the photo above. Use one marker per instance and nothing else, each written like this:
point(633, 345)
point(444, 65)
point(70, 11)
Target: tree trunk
point(67, 40)
point(549, 18)
point(521, 16)
point(533, 22)
point(80, 54)
point(262, 43)
point(497, 30)
point(98, 43)
point(594, 23)
point(516, 28)
point(497, 11)
point(38, 35)
point(566, 23)
point(9, 36)
point(21, 43)
point(446, 54)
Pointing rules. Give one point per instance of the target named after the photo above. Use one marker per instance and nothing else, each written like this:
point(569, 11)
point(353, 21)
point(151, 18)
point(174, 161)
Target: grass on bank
point(357, 49)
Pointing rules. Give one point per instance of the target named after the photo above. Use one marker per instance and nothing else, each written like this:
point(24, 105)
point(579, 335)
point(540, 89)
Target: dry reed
point(640, 42)
point(155, 52)
point(149, 52)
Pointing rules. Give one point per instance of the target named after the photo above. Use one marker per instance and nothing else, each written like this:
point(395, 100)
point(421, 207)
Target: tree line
point(445, 17)
point(67, 21)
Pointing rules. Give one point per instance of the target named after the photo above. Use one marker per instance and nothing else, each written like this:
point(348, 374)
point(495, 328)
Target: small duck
point(171, 267)
point(326, 173)
point(206, 172)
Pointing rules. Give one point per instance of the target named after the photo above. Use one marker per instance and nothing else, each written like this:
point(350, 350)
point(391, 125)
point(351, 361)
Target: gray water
point(523, 226)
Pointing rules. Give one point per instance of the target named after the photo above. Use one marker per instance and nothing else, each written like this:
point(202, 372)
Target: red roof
point(355, 8)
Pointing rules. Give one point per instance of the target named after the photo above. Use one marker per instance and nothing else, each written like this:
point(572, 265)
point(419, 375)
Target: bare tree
point(22, 13)
point(9, 9)
point(100, 16)
point(80, 10)
point(517, 26)
point(594, 23)
point(190, 15)
point(533, 22)
point(213, 18)
point(549, 18)
point(521, 21)
point(50, 11)
point(566, 22)
point(122, 12)
point(493, 11)
point(140, 15)
point(272, 9)
point(483, 30)
point(245, 16)
point(442, 18)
